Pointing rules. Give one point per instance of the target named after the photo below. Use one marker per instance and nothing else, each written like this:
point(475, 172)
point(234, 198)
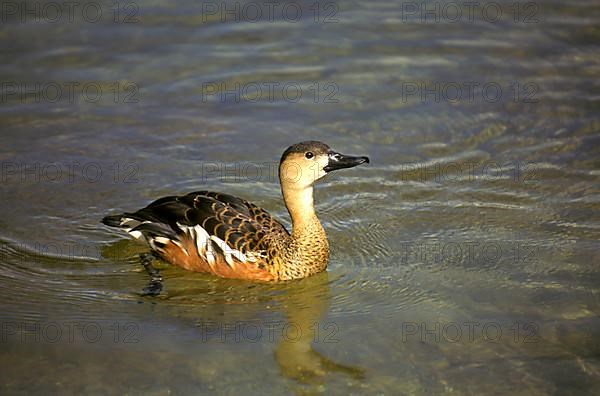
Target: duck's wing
point(206, 231)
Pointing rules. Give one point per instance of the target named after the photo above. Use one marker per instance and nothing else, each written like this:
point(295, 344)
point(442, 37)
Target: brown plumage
point(229, 237)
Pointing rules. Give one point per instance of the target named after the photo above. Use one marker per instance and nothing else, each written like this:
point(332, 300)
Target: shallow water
point(464, 257)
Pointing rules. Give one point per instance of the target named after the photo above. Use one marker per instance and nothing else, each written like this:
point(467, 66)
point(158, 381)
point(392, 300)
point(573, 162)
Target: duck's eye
point(309, 155)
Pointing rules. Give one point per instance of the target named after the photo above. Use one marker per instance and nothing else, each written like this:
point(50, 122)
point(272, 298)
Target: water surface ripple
point(463, 258)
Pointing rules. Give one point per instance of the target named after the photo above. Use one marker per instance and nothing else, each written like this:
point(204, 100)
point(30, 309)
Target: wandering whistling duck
point(232, 238)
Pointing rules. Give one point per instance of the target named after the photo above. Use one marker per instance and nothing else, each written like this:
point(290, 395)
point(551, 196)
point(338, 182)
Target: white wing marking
point(162, 240)
point(135, 234)
point(204, 245)
point(228, 251)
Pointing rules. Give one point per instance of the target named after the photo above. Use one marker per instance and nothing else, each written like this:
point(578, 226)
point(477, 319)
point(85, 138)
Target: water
point(464, 257)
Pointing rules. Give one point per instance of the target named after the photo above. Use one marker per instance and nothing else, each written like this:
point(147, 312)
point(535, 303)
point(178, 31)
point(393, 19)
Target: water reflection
point(449, 176)
point(292, 315)
point(305, 305)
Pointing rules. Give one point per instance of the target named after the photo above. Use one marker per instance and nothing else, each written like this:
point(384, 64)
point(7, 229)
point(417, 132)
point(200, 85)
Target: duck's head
point(304, 163)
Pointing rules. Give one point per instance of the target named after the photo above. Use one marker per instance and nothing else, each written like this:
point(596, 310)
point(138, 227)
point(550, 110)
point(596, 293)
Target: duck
point(227, 236)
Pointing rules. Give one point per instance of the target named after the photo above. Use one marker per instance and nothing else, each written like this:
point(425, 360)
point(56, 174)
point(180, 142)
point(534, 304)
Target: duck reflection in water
point(305, 304)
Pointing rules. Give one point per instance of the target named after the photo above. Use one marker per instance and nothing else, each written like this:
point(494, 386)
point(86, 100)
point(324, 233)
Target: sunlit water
point(464, 257)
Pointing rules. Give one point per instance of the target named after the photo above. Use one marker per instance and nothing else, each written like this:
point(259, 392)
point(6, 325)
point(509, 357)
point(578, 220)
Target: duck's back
point(209, 232)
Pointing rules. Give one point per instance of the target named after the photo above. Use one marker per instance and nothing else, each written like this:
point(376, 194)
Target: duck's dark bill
point(341, 161)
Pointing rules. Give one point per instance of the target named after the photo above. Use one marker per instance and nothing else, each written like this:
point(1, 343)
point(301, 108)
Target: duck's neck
point(300, 205)
point(308, 249)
